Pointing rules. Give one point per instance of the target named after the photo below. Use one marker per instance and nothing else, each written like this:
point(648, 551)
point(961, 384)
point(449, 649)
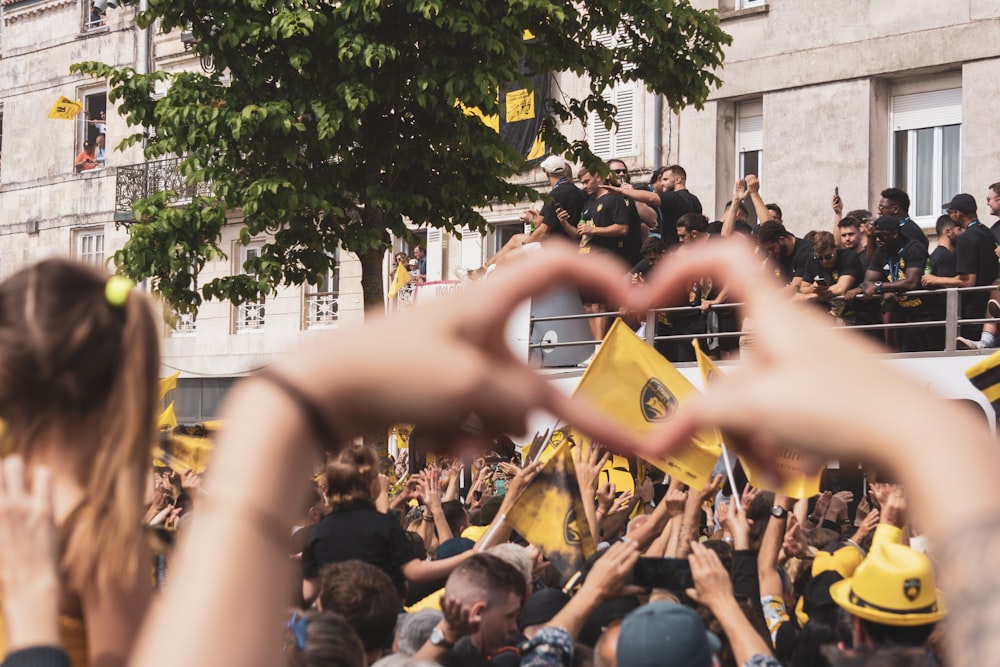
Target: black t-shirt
point(359, 532)
point(911, 231)
point(943, 262)
point(613, 209)
point(847, 264)
point(975, 253)
point(567, 196)
point(893, 266)
point(996, 230)
point(794, 264)
point(673, 205)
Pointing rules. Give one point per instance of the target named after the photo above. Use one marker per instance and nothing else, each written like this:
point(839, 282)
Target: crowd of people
point(864, 269)
point(301, 547)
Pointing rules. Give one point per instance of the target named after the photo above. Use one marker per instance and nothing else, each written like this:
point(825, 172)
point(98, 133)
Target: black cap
point(886, 223)
point(962, 202)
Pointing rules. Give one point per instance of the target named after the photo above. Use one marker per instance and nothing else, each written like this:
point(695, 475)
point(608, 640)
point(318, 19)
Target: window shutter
point(472, 249)
point(933, 109)
point(435, 250)
point(625, 134)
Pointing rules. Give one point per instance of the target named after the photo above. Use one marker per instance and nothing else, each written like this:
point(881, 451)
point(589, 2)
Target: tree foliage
point(338, 120)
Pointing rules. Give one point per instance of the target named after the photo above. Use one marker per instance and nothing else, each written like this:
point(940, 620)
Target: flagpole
point(548, 439)
point(729, 473)
point(499, 521)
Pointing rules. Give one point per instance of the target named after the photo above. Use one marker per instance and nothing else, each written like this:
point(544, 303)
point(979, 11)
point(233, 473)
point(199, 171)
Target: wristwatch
point(438, 639)
point(779, 512)
point(878, 286)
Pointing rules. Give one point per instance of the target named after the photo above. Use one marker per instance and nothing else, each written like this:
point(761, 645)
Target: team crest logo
point(570, 532)
point(911, 589)
point(600, 207)
point(657, 403)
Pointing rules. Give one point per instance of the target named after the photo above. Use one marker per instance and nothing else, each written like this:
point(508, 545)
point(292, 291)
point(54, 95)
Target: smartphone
point(820, 281)
point(836, 191)
point(673, 574)
point(501, 487)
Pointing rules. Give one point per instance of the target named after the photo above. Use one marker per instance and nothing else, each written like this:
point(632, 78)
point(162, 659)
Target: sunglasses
point(826, 258)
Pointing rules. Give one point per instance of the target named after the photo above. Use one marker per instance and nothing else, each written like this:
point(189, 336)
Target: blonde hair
point(82, 373)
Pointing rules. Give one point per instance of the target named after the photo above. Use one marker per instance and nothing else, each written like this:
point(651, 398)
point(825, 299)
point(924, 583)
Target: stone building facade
point(858, 95)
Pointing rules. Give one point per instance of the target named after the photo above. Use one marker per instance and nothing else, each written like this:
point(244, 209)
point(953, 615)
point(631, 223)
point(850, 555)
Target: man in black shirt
point(673, 200)
point(830, 273)
point(787, 255)
point(975, 264)
point(940, 265)
point(896, 267)
point(564, 195)
point(896, 203)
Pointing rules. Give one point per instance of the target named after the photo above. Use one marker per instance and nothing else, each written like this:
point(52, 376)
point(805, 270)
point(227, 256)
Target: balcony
point(137, 181)
point(322, 309)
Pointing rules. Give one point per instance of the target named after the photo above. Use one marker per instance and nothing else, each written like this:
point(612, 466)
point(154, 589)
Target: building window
point(90, 247)
point(91, 134)
point(749, 139)
point(95, 13)
point(250, 315)
point(322, 300)
point(926, 149)
point(746, 4)
point(621, 140)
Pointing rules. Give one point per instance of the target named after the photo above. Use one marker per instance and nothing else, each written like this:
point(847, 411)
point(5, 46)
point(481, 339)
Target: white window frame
point(621, 141)
point(747, 4)
point(934, 110)
point(83, 122)
point(250, 315)
point(89, 246)
point(749, 136)
point(321, 301)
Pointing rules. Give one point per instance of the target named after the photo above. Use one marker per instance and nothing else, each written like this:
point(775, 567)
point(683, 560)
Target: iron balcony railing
point(137, 181)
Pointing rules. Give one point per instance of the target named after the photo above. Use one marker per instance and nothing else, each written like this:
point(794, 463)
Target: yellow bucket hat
point(894, 585)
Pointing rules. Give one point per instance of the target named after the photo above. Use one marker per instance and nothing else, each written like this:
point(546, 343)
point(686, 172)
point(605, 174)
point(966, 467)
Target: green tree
point(338, 121)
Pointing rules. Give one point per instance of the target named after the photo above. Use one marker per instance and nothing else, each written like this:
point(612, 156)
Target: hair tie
point(116, 290)
point(298, 624)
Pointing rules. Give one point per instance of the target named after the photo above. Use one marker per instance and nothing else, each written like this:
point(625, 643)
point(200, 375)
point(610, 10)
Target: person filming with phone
point(829, 274)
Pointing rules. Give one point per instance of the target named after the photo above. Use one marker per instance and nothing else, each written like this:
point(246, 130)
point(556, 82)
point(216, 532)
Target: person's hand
point(753, 184)
point(746, 499)
point(894, 508)
point(563, 215)
point(623, 503)
point(28, 568)
point(740, 191)
point(459, 620)
point(675, 498)
point(794, 544)
point(929, 280)
point(881, 492)
point(172, 482)
point(707, 304)
point(866, 527)
point(538, 562)
point(822, 505)
point(854, 293)
point(191, 483)
point(530, 216)
point(733, 520)
point(645, 490)
point(609, 573)
point(838, 505)
point(508, 469)
point(787, 340)
point(588, 461)
point(466, 365)
point(519, 483)
point(837, 204)
point(605, 498)
point(712, 586)
point(430, 490)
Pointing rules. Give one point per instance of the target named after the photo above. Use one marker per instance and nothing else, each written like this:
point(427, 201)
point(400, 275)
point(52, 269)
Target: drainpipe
point(657, 131)
point(142, 47)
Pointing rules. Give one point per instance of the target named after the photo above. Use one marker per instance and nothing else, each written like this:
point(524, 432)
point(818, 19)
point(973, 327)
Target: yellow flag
point(65, 108)
point(632, 381)
point(168, 384)
point(181, 452)
point(550, 514)
point(616, 471)
point(168, 418)
point(401, 278)
point(794, 482)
